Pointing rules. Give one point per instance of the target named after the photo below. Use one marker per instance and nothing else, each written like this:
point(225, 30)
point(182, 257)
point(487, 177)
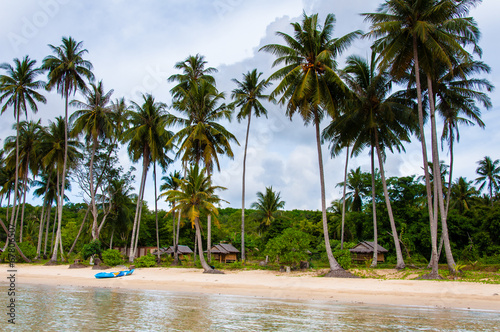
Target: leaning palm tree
point(147, 138)
point(432, 31)
point(489, 175)
point(247, 97)
point(196, 197)
point(94, 118)
point(18, 89)
point(67, 70)
point(310, 86)
point(268, 206)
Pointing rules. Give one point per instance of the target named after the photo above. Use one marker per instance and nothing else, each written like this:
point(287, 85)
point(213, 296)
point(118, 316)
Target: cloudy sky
point(134, 45)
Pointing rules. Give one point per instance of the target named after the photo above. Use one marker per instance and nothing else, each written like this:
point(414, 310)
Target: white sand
point(270, 284)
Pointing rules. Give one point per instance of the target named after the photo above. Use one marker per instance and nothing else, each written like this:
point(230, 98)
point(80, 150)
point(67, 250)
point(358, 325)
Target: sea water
point(46, 308)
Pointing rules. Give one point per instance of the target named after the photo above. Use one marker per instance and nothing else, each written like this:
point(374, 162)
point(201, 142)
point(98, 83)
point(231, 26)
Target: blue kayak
point(102, 275)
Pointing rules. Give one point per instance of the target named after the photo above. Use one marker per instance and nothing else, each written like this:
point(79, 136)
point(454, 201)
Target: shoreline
point(274, 285)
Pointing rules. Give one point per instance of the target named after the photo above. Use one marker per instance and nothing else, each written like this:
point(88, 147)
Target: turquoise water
point(44, 308)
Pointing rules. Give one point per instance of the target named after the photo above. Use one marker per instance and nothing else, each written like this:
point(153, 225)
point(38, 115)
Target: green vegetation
point(145, 261)
point(112, 257)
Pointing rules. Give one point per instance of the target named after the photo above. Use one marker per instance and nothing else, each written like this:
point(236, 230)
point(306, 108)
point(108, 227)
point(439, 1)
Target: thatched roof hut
point(181, 250)
point(224, 252)
point(364, 250)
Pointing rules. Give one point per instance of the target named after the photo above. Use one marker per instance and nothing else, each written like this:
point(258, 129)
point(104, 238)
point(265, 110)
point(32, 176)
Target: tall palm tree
point(309, 84)
point(18, 89)
point(247, 97)
point(147, 137)
point(56, 148)
point(268, 206)
point(67, 70)
point(489, 175)
point(432, 31)
point(95, 119)
point(378, 119)
point(29, 137)
point(195, 197)
point(202, 138)
point(457, 104)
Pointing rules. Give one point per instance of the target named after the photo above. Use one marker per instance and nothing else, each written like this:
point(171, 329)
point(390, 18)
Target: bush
point(235, 265)
point(145, 261)
point(112, 257)
point(92, 248)
point(343, 257)
point(27, 248)
point(289, 248)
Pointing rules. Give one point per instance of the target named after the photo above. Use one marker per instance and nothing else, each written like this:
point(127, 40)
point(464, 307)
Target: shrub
point(92, 248)
point(343, 257)
point(145, 261)
point(235, 265)
point(27, 248)
point(289, 248)
point(112, 257)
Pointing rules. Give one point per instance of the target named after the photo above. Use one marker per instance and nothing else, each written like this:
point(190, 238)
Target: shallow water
point(45, 308)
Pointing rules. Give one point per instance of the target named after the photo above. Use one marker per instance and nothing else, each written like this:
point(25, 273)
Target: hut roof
point(367, 247)
point(182, 250)
point(224, 248)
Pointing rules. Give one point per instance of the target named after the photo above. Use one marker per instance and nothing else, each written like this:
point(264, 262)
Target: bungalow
point(364, 250)
point(181, 251)
point(141, 251)
point(224, 252)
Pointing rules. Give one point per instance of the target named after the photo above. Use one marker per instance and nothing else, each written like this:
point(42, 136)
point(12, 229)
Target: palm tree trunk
point(176, 245)
point(156, 215)
point(63, 180)
point(13, 214)
point(343, 199)
point(111, 240)
point(374, 212)
point(400, 264)
point(334, 265)
point(40, 231)
point(92, 191)
point(47, 228)
point(204, 264)
point(450, 176)
point(243, 193)
point(438, 182)
point(432, 221)
point(137, 210)
point(209, 230)
point(79, 231)
point(25, 189)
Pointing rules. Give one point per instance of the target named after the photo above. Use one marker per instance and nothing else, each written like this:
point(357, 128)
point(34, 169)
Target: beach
point(276, 285)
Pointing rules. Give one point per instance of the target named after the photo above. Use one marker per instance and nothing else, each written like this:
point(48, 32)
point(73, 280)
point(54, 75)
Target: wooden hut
point(364, 250)
point(182, 251)
point(141, 251)
point(224, 252)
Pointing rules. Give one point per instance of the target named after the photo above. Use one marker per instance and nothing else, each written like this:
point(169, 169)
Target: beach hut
point(141, 251)
point(225, 252)
point(364, 250)
point(182, 251)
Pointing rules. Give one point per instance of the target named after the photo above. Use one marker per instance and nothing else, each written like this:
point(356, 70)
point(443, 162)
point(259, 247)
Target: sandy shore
point(271, 284)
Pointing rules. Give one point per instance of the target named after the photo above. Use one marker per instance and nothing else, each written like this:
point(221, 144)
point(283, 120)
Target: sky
point(133, 46)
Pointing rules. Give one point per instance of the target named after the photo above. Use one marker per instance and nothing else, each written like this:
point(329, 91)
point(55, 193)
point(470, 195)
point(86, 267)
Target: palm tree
point(247, 97)
point(18, 89)
point(56, 149)
point(432, 31)
point(94, 117)
point(147, 139)
point(489, 175)
point(66, 72)
point(356, 183)
point(201, 138)
point(193, 71)
point(268, 206)
point(309, 84)
point(172, 182)
point(30, 134)
point(463, 194)
point(375, 118)
point(195, 197)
